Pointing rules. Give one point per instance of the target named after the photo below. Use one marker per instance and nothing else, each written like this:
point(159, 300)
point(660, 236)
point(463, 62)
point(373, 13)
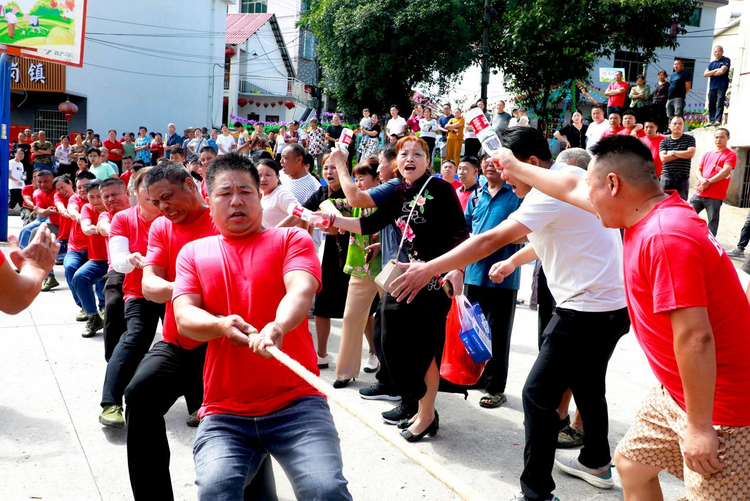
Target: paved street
point(53, 448)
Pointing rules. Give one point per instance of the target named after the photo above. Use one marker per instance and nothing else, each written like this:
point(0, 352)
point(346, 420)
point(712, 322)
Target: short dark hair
point(230, 162)
point(238, 124)
point(113, 130)
point(597, 107)
point(679, 59)
point(128, 157)
point(85, 174)
point(469, 159)
point(367, 167)
point(114, 181)
point(271, 164)
point(725, 130)
point(180, 151)
point(65, 136)
point(171, 171)
point(62, 178)
point(629, 112)
point(43, 172)
point(93, 150)
point(389, 151)
point(259, 155)
point(640, 77)
point(93, 185)
point(526, 142)
point(209, 149)
point(628, 156)
point(142, 127)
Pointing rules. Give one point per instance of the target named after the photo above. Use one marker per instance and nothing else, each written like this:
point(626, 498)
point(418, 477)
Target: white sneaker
point(323, 362)
point(598, 477)
point(372, 364)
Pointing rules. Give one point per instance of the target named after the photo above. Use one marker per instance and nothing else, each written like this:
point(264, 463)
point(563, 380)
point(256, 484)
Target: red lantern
point(251, 101)
point(242, 102)
point(265, 105)
point(290, 104)
point(68, 109)
point(226, 101)
point(257, 104)
point(281, 101)
point(230, 52)
point(273, 105)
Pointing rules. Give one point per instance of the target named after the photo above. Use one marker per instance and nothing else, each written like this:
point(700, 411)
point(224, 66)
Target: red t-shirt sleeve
point(674, 263)
point(40, 200)
point(2, 258)
point(28, 191)
point(88, 213)
point(300, 254)
point(104, 216)
point(158, 251)
point(119, 225)
point(186, 280)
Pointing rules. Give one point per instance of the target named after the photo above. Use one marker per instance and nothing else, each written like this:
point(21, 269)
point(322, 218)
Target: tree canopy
point(374, 53)
point(540, 43)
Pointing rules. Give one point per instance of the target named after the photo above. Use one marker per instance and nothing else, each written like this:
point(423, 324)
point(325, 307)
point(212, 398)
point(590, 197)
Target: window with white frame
point(633, 62)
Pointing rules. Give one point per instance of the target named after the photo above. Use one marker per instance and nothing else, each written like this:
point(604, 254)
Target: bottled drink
point(345, 140)
point(308, 215)
point(482, 128)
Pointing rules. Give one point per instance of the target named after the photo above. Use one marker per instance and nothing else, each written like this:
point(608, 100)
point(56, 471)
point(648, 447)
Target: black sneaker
point(378, 392)
point(400, 412)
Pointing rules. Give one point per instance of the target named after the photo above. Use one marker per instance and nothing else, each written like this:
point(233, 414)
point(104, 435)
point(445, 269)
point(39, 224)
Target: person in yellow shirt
point(455, 128)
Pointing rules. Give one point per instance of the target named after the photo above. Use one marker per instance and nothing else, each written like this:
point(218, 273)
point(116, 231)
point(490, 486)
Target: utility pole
point(486, 52)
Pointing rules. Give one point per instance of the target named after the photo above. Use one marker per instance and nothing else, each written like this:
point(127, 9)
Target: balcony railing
point(272, 86)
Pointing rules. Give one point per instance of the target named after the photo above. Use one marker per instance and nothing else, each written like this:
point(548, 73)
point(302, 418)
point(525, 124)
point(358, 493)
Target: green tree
point(373, 53)
point(540, 43)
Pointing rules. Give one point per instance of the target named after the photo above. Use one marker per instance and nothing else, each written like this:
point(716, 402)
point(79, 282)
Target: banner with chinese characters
point(35, 75)
point(51, 30)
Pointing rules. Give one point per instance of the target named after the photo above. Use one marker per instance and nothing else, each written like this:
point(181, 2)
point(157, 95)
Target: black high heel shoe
point(429, 431)
point(405, 423)
point(342, 383)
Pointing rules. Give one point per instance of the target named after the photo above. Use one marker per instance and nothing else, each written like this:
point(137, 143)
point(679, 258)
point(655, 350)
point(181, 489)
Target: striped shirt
point(679, 167)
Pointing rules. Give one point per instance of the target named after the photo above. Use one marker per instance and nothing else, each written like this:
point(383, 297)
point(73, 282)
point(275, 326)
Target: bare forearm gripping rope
point(410, 451)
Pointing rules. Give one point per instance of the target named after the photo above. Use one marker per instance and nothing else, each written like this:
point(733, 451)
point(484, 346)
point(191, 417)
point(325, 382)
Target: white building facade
point(260, 81)
point(694, 48)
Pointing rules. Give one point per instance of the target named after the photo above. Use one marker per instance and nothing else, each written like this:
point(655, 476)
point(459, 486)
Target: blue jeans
point(302, 437)
point(716, 98)
point(72, 262)
point(25, 236)
point(85, 279)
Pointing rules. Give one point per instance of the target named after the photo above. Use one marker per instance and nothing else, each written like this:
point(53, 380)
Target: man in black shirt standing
point(675, 151)
point(680, 83)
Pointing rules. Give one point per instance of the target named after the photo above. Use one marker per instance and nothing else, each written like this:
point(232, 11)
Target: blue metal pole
point(5, 63)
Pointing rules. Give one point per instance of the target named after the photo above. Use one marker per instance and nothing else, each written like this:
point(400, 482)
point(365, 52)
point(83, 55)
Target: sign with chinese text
point(36, 75)
point(51, 30)
point(608, 74)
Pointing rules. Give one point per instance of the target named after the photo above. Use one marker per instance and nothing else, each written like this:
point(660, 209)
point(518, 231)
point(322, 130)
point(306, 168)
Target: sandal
point(490, 401)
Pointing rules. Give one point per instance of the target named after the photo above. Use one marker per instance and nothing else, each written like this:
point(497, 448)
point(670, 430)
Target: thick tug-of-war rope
point(410, 451)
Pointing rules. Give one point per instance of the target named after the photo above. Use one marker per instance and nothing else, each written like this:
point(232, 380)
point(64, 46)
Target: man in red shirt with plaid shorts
point(690, 316)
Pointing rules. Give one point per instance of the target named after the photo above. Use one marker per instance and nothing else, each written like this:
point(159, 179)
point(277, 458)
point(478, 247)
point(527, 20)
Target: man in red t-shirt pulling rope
point(690, 316)
point(252, 286)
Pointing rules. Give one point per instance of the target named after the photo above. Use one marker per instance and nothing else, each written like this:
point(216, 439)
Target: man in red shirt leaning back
point(690, 316)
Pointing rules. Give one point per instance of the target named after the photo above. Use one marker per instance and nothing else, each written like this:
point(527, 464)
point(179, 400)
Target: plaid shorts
point(656, 440)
